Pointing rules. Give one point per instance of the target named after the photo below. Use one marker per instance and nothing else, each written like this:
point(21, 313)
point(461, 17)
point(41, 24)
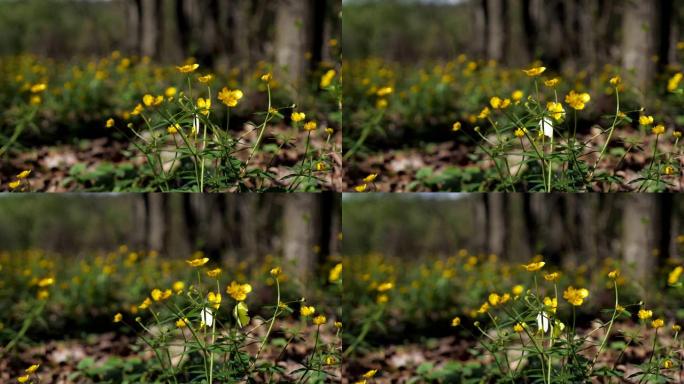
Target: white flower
point(207, 317)
point(195, 126)
point(543, 322)
point(546, 126)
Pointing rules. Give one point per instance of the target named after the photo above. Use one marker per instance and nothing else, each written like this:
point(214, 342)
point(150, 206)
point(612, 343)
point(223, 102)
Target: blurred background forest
point(220, 34)
point(565, 35)
point(303, 229)
point(569, 230)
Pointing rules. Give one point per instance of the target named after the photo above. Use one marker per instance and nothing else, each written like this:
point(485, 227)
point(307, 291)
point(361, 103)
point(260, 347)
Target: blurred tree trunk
point(638, 40)
point(294, 40)
point(151, 16)
point(184, 28)
point(529, 29)
point(138, 225)
point(498, 29)
point(517, 245)
point(156, 221)
point(638, 238)
point(133, 25)
point(496, 222)
point(249, 226)
point(480, 233)
point(666, 13)
point(479, 28)
point(301, 228)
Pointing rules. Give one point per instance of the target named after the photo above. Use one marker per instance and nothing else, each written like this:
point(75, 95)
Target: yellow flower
point(517, 95)
point(456, 127)
point(382, 299)
point(23, 174)
point(494, 299)
point(40, 87)
point(329, 360)
point(182, 323)
point(166, 294)
point(23, 379)
point(381, 104)
point(156, 294)
point(385, 287)
point(335, 273)
point(370, 373)
point(327, 79)
point(358, 188)
point(109, 123)
point(614, 274)
point(484, 113)
point(577, 100)
point(536, 71)
point(575, 296)
point(483, 308)
point(456, 321)
point(178, 286)
point(677, 134)
point(667, 364)
point(658, 129)
point(214, 272)
point(14, 184)
point(676, 328)
point(158, 99)
point(645, 314)
point(230, 97)
point(384, 91)
point(657, 323)
point(267, 77)
point(46, 282)
point(519, 327)
point(238, 291)
point(170, 92)
point(43, 294)
point(145, 304)
point(556, 109)
point(531, 267)
point(298, 116)
point(319, 320)
point(173, 129)
point(645, 120)
point(275, 272)
point(520, 132)
point(310, 126)
point(32, 369)
point(552, 82)
point(370, 178)
point(197, 262)
point(615, 81)
point(552, 276)
point(307, 311)
point(205, 79)
point(338, 324)
point(673, 83)
point(204, 105)
point(215, 299)
point(518, 290)
point(137, 110)
point(118, 317)
point(674, 275)
point(148, 100)
point(35, 100)
point(669, 170)
point(187, 68)
point(551, 304)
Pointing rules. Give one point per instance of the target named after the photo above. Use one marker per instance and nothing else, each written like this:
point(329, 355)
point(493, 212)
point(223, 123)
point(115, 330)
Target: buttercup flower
point(307, 311)
point(575, 296)
point(577, 100)
point(238, 291)
point(644, 314)
point(187, 68)
point(118, 317)
point(319, 320)
point(456, 321)
point(230, 97)
point(298, 116)
point(531, 267)
point(533, 72)
point(197, 262)
point(657, 323)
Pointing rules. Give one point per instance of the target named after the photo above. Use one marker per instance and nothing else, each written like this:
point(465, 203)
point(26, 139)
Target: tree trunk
point(156, 221)
point(294, 40)
point(637, 234)
point(638, 40)
point(300, 233)
point(133, 26)
point(151, 28)
point(496, 214)
point(496, 29)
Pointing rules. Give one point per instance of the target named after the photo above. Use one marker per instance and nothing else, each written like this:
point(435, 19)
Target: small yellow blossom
point(205, 79)
point(519, 133)
point(40, 87)
point(577, 100)
point(327, 78)
point(673, 83)
point(575, 296)
point(517, 95)
point(238, 291)
point(456, 127)
point(275, 272)
point(518, 290)
point(319, 320)
point(370, 178)
point(676, 328)
point(187, 68)
point(533, 72)
point(644, 314)
point(614, 274)
point(674, 275)
point(182, 323)
point(156, 294)
point(214, 272)
point(555, 276)
point(667, 364)
point(384, 91)
point(204, 105)
point(298, 116)
point(310, 126)
point(494, 299)
point(519, 327)
point(307, 311)
point(118, 317)
point(552, 82)
point(531, 267)
point(148, 100)
point(214, 299)
point(230, 97)
point(335, 273)
point(385, 287)
point(198, 262)
point(370, 374)
point(170, 91)
point(46, 282)
point(23, 174)
point(361, 188)
point(178, 286)
point(657, 323)
point(32, 369)
point(615, 81)
point(456, 321)
point(109, 123)
point(23, 379)
point(658, 129)
point(646, 120)
point(556, 109)
point(267, 77)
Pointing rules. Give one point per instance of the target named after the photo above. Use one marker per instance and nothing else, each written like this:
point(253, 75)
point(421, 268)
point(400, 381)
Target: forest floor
point(105, 163)
point(434, 166)
point(453, 356)
point(97, 357)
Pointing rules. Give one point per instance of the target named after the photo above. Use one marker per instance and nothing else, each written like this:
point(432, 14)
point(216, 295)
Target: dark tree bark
point(301, 231)
point(638, 40)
